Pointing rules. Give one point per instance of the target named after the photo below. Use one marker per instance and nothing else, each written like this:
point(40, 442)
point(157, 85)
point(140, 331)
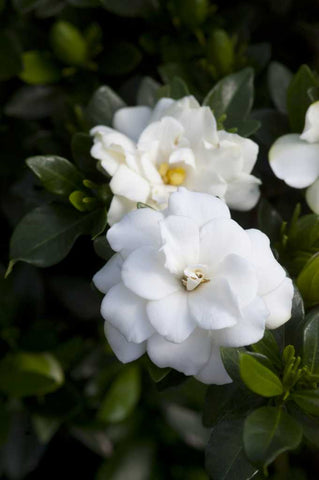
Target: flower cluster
point(186, 281)
point(295, 158)
point(150, 153)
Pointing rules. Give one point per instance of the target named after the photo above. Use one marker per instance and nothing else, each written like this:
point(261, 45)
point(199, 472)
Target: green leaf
point(122, 397)
point(269, 220)
point(298, 99)
point(310, 355)
point(39, 68)
point(45, 427)
point(57, 174)
point(268, 346)
point(305, 233)
point(46, 235)
point(68, 43)
point(130, 8)
point(279, 78)
point(307, 400)
point(10, 56)
point(259, 378)
point(178, 88)
point(33, 102)
point(220, 51)
point(81, 145)
point(121, 59)
point(268, 432)
point(310, 425)
point(233, 96)
point(102, 247)
point(225, 456)
point(248, 127)
point(25, 374)
point(102, 106)
point(308, 281)
point(24, 6)
point(227, 401)
point(230, 357)
point(156, 373)
point(295, 325)
point(147, 92)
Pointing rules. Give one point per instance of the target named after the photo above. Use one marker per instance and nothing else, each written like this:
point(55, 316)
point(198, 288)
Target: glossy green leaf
point(39, 68)
point(10, 55)
point(231, 357)
point(81, 145)
point(122, 397)
point(310, 425)
point(308, 281)
point(248, 127)
point(268, 346)
point(68, 43)
point(294, 327)
point(227, 401)
point(129, 8)
point(25, 374)
point(269, 220)
point(268, 432)
point(305, 233)
point(310, 355)
point(178, 88)
point(279, 78)
point(102, 247)
point(225, 456)
point(33, 102)
point(192, 13)
point(307, 400)
point(233, 96)
point(156, 373)
point(298, 99)
point(102, 106)
point(259, 378)
point(57, 174)
point(46, 235)
point(147, 92)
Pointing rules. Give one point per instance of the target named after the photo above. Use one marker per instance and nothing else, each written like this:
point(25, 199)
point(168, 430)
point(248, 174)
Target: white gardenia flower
point(186, 281)
point(295, 158)
point(149, 153)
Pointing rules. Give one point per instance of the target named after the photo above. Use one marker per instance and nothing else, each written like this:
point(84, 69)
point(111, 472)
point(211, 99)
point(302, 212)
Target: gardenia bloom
point(295, 158)
point(186, 281)
point(149, 153)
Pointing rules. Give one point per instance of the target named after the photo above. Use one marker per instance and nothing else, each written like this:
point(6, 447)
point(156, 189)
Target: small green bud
point(79, 200)
point(68, 44)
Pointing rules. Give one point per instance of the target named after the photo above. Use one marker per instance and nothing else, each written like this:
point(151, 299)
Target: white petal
point(243, 192)
point(130, 185)
point(109, 275)
point(132, 120)
point(127, 313)
point(201, 207)
point(213, 305)
point(149, 170)
point(249, 329)
point(124, 350)
point(144, 273)
point(171, 318)
point(166, 134)
point(182, 156)
point(311, 130)
point(221, 237)
point(119, 207)
point(279, 303)
point(160, 109)
point(295, 161)
point(136, 229)
point(180, 240)
point(113, 149)
point(199, 124)
point(214, 371)
point(312, 196)
point(241, 277)
point(249, 149)
point(269, 272)
point(187, 357)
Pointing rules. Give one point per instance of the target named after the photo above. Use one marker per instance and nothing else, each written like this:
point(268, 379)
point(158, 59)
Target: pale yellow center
point(172, 176)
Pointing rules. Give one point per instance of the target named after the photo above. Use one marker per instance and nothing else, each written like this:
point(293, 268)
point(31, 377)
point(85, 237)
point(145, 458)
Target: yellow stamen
point(172, 176)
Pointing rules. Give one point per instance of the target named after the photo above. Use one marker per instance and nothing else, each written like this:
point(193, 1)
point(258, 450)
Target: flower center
point(194, 276)
point(171, 176)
